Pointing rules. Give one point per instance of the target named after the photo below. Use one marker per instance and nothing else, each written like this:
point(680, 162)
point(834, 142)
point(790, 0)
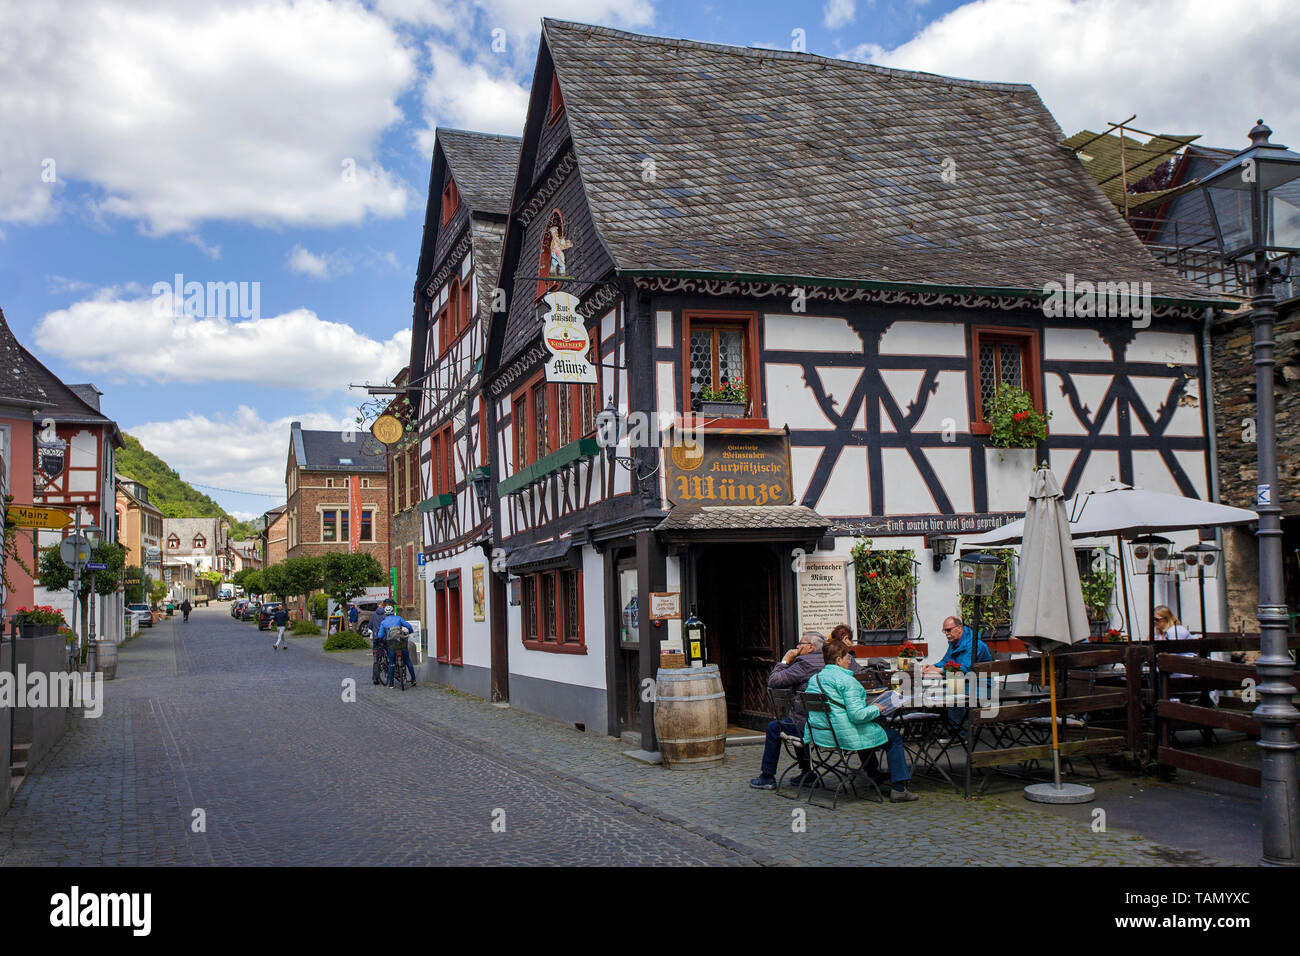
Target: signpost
point(26, 516)
point(823, 594)
point(731, 467)
point(565, 336)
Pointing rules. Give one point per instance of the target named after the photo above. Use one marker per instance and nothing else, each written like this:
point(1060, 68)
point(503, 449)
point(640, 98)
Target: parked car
point(266, 614)
point(236, 608)
point(365, 608)
point(249, 611)
point(142, 614)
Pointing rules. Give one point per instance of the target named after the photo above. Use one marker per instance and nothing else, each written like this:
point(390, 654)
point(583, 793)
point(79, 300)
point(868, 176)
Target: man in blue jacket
point(391, 621)
point(960, 638)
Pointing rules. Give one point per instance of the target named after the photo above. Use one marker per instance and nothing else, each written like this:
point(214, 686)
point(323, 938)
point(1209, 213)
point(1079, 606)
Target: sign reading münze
point(740, 467)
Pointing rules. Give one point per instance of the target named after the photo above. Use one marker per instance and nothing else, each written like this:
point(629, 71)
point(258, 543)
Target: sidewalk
point(939, 829)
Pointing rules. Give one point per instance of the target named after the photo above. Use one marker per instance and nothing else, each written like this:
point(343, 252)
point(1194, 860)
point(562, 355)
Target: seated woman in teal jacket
point(855, 723)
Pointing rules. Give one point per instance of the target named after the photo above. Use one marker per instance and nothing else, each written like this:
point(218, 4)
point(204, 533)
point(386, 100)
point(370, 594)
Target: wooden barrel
point(690, 717)
point(106, 659)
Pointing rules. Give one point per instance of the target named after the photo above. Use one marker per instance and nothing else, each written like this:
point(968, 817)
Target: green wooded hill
point(170, 493)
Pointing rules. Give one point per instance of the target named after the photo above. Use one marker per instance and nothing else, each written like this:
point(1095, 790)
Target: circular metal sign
point(74, 549)
point(387, 429)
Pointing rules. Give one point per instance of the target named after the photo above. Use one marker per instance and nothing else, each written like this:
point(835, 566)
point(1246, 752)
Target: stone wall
point(1234, 403)
point(1236, 427)
point(42, 727)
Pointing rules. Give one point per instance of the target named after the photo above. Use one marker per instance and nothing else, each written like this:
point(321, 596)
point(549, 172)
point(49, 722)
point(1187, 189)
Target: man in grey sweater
point(791, 673)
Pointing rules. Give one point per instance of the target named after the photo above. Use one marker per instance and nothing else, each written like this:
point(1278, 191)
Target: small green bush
point(319, 606)
point(304, 627)
point(346, 641)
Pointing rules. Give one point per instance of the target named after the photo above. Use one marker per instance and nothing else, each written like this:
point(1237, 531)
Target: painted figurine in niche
point(558, 246)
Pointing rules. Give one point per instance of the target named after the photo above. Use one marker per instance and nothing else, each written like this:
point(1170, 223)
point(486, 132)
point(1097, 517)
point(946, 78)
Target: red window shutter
point(450, 201)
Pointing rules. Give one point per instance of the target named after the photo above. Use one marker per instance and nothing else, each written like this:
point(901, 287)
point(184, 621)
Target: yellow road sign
point(25, 516)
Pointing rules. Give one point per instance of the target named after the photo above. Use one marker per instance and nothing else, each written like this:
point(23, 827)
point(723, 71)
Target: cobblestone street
point(205, 716)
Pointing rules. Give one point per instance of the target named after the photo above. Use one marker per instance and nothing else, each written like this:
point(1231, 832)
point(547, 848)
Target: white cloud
point(296, 350)
point(238, 451)
point(323, 266)
point(523, 18)
point(186, 112)
point(838, 13)
point(467, 94)
point(1218, 67)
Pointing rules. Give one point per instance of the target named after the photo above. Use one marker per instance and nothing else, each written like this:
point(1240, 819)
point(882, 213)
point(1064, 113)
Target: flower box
point(724, 409)
point(891, 635)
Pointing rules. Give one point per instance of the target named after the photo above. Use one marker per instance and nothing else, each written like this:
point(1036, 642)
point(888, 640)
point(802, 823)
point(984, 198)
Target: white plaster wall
point(809, 333)
point(924, 338)
point(476, 641)
point(585, 670)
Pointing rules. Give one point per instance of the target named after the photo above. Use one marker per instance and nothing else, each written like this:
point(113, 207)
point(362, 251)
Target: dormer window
point(557, 98)
point(345, 461)
point(200, 541)
point(450, 201)
point(173, 541)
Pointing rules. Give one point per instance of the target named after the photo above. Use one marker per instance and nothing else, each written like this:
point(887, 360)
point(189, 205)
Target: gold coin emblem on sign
point(387, 429)
point(688, 457)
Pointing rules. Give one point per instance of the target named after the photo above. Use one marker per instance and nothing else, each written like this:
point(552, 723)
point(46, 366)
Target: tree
point(57, 576)
point(303, 575)
point(250, 580)
point(347, 575)
point(276, 582)
point(158, 591)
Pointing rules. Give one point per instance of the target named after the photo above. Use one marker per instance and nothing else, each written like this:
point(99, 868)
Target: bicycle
point(396, 647)
point(379, 672)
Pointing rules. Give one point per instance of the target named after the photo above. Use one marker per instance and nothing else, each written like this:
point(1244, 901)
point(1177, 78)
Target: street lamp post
point(1254, 204)
point(977, 575)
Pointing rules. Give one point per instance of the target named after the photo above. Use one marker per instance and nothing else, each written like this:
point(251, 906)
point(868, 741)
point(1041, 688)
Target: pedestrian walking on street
point(185, 611)
point(281, 621)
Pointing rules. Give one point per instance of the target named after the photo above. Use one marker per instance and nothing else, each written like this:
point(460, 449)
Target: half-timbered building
point(460, 254)
point(871, 252)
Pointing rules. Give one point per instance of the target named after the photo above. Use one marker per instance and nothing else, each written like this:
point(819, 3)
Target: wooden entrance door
point(739, 601)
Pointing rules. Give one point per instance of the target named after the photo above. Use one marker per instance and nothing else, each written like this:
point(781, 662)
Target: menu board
point(823, 594)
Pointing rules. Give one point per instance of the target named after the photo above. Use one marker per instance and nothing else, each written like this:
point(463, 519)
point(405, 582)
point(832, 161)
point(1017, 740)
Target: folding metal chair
point(834, 761)
point(782, 700)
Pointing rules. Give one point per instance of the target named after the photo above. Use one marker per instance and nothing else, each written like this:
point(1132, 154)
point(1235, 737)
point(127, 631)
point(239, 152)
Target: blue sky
point(287, 144)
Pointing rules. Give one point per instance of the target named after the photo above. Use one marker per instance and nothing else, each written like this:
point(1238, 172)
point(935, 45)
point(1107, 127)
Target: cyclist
point(391, 621)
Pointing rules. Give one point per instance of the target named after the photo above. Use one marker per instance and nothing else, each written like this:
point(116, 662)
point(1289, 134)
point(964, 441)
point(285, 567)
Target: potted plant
point(954, 676)
point(995, 610)
point(728, 400)
point(886, 590)
point(1098, 586)
point(39, 621)
point(907, 655)
point(1016, 422)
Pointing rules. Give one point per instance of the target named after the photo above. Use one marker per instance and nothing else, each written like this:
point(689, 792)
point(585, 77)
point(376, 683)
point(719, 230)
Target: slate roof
point(742, 518)
point(22, 374)
point(331, 451)
point(777, 163)
point(486, 239)
point(483, 165)
point(19, 381)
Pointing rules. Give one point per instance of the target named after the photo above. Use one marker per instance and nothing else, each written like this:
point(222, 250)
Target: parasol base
point(1065, 793)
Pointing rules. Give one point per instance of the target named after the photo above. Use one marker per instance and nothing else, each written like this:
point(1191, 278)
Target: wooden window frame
point(522, 402)
point(557, 99)
point(466, 304)
point(449, 458)
point(455, 622)
point(1031, 343)
point(413, 474)
point(753, 371)
point(532, 586)
point(442, 637)
point(334, 523)
point(199, 542)
point(450, 200)
point(401, 483)
point(367, 513)
point(175, 546)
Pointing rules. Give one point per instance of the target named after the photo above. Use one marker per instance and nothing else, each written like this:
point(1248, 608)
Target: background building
point(317, 475)
point(203, 544)
point(140, 527)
